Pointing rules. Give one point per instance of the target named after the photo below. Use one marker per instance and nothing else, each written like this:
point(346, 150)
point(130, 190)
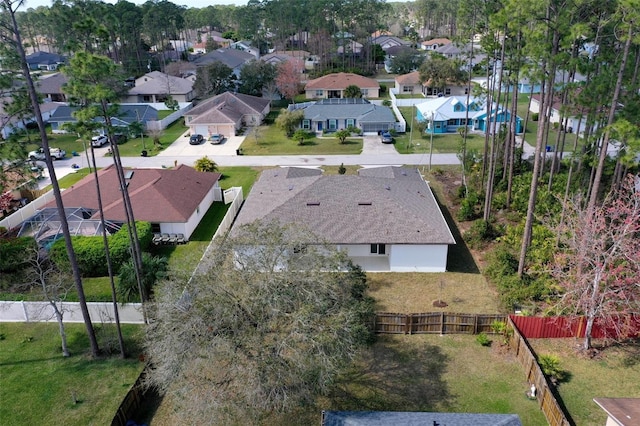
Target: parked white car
point(98, 141)
point(56, 154)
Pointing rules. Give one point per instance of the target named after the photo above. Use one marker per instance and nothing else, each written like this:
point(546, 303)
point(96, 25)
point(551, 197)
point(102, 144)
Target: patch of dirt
point(440, 304)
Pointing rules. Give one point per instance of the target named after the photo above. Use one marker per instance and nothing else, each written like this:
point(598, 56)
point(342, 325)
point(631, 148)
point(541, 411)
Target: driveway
point(371, 145)
point(181, 148)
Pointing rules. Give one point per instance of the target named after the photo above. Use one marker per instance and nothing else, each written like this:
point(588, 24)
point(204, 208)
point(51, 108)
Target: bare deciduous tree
point(276, 316)
point(600, 262)
point(53, 285)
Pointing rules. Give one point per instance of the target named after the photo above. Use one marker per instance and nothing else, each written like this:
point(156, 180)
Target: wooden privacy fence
point(435, 323)
point(548, 404)
point(132, 401)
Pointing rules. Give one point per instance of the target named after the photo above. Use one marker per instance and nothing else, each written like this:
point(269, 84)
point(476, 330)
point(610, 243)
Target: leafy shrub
point(153, 269)
point(468, 206)
point(12, 252)
point(483, 339)
point(534, 116)
point(550, 366)
point(480, 232)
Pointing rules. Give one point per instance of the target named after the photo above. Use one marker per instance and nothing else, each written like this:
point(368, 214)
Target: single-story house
point(216, 37)
point(386, 218)
point(157, 87)
point(408, 84)
point(280, 57)
point(173, 200)
point(45, 61)
point(50, 87)
point(620, 411)
point(349, 47)
point(386, 41)
point(233, 58)
point(446, 114)
point(333, 86)
point(434, 43)
point(128, 113)
point(226, 113)
point(339, 113)
point(575, 122)
point(247, 47)
point(410, 418)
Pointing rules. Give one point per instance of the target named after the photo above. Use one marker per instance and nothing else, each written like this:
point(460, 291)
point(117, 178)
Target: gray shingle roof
point(393, 206)
point(158, 83)
point(361, 109)
point(233, 58)
point(385, 418)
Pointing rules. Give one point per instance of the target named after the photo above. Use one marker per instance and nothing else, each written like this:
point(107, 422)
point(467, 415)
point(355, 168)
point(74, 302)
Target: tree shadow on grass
point(459, 258)
point(391, 376)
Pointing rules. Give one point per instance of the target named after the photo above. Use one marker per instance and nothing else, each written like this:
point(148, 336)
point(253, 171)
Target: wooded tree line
point(585, 57)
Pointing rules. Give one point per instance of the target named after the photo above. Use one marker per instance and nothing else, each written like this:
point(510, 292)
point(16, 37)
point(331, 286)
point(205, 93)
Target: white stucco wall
point(401, 257)
point(215, 194)
point(418, 258)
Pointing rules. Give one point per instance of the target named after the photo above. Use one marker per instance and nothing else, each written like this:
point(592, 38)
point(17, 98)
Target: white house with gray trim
point(386, 218)
point(339, 113)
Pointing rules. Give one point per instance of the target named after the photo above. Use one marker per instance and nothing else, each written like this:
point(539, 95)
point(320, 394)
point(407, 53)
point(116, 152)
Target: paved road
point(374, 153)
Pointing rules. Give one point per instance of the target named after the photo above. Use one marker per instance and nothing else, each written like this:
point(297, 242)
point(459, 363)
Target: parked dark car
point(196, 139)
point(385, 137)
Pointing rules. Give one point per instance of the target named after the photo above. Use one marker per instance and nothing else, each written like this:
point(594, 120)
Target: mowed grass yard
point(39, 386)
point(612, 373)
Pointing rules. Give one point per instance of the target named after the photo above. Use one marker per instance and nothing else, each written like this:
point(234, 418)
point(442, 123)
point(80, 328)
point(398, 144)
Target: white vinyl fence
point(100, 312)
point(27, 211)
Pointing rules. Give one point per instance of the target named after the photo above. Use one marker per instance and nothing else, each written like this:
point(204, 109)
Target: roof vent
point(290, 187)
point(313, 203)
point(388, 188)
point(364, 203)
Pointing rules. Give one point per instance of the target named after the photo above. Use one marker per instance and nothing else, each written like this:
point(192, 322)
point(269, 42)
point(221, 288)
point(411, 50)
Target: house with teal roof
point(447, 114)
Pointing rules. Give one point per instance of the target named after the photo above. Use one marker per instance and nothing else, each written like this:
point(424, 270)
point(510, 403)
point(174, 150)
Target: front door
point(319, 126)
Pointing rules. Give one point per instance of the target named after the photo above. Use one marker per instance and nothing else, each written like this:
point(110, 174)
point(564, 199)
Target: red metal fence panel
point(554, 327)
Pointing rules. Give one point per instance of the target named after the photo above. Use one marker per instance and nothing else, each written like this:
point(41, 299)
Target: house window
point(333, 124)
point(365, 92)
point(452, 122)
point(306, 124)
point(457, 107)
point(146, 98)
point(155, 227)
point(319, 93)
point(407, 89)
point(466, 90)
point(447, 91)
point(378, 249)
point(351, 122)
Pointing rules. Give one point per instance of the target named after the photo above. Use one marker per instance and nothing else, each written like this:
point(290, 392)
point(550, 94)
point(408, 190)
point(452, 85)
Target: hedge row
point(12, 252)
point(90, 252)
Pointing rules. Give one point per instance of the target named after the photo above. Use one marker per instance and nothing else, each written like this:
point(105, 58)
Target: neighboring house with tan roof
point(386, 218)
point(333, 86)
point(620, 411)
point(434, 44)
point(172, 200)
point(157, 87)
point(387, 41)
point(226, 113)
point(408, 84)
point(50, 87)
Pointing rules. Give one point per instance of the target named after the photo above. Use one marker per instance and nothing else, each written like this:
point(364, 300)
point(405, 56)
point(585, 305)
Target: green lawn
point(612, 373)
point(39, 385)
point(450, 373)
point(270, 140)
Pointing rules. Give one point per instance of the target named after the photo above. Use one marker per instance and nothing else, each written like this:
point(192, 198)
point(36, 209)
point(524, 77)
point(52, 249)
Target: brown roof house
point(173, 200)
point(226, 113)
point(620, 411)
point(333, 86)
point(408, 84)
point(386, 218)
point(434, 43)
point(50, 87)
point(158, 87)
